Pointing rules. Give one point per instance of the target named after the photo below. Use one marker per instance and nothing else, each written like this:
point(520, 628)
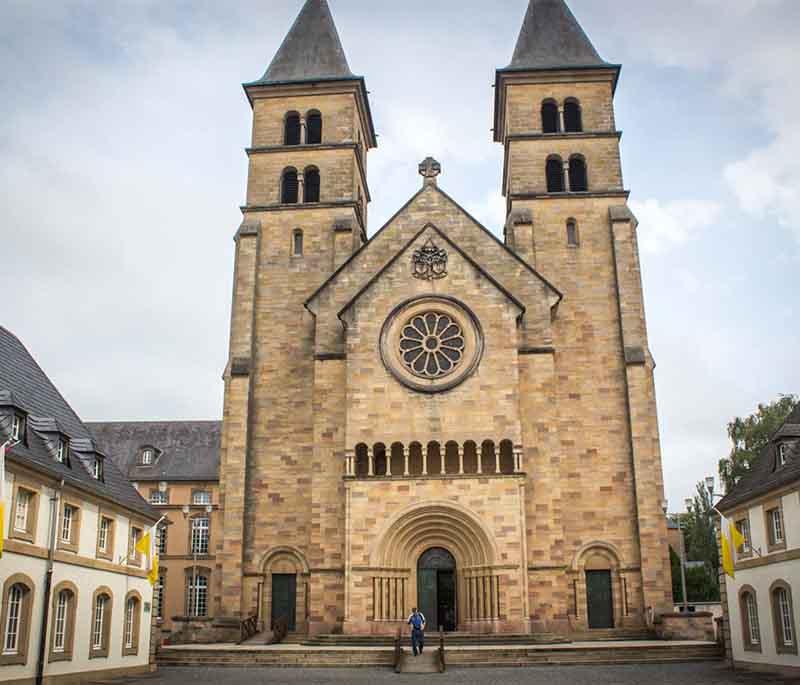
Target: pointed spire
point(311, 50)
point(552, 37)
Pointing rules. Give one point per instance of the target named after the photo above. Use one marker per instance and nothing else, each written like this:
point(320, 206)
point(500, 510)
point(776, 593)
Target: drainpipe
point(48, 581)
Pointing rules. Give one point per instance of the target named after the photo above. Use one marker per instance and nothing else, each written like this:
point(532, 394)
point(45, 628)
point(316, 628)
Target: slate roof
point(311, 50)
point(766, 475)
point(25, 386)
point(551, 37)
point(185, 450)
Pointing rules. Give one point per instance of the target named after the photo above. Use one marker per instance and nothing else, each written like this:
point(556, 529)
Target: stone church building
point(433, 416)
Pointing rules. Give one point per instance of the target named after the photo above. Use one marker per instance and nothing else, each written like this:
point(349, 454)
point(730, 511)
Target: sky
point(122, 133)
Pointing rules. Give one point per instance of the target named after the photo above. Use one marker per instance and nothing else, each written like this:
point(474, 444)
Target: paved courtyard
point(655, 674)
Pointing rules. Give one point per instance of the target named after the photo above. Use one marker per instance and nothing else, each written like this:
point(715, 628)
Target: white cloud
point(666, 225)
point(491, 211)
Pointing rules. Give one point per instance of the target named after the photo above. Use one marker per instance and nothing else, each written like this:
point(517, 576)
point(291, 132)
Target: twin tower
point(434, 416)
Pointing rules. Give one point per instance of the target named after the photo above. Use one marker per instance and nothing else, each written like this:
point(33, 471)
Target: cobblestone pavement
point(651, 674)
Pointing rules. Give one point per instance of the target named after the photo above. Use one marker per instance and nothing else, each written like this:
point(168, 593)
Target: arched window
point(297, 243)
point(415, 459)
point(130, 629)
point(507, 464)
point(470, 457)
point(313, 128)
point(434, 459)
point(291, 131)
point(100, 627)
point(751, 631)
point(549, 117)
point(379, 459)
point(451, 460)
point(63, 629)
point(783, 618)
point(572, 116)
point(578, 182)
point(572, 233)
point(16, 619)
point(362, 461)
point(312, 183)
point(488, 457)
point(289, 187)
point(397, 459)
point(555, 175)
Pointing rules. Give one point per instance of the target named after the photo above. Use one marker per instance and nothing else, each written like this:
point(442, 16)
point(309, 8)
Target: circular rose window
point(431, 344)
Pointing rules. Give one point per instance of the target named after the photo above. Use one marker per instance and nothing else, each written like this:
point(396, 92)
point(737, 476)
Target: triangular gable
point(433, 229)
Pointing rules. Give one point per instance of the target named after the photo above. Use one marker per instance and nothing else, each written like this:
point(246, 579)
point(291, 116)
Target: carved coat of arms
point(429, 262)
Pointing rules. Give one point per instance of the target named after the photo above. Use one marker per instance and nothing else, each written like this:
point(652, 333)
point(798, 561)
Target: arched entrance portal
point(436, 588)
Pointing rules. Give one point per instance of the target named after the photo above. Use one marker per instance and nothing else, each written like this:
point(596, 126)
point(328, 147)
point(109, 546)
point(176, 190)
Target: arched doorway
point(436, 588)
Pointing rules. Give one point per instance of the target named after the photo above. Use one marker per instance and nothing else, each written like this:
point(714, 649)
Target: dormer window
point(783, 453)
point(18, 426)
point(148, 456)
point(62, 451)
point(97, 468)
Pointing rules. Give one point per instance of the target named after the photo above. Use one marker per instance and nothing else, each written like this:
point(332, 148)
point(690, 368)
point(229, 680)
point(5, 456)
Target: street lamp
point(185, 509)
point(665, 506)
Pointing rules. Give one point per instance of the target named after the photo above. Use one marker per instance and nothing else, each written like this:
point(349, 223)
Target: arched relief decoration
point(436, 523)
point(598, 556)
point(285, 560)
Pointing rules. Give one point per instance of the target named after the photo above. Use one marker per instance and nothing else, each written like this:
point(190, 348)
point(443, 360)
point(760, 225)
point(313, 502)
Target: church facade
point(434, 416)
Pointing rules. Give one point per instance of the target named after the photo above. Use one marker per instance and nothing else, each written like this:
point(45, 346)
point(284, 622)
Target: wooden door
point(284, 599)
point(599, 599)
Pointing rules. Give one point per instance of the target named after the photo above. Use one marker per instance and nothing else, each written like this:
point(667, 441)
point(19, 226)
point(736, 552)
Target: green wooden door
point(284, 599)
point(426, 596)
point(599, 599)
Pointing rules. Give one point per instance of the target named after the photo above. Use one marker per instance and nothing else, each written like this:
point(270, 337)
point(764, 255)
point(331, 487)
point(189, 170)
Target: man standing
point(417, 622)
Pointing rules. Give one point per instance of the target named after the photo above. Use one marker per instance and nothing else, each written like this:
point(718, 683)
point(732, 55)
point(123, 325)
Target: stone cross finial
point(429, 169)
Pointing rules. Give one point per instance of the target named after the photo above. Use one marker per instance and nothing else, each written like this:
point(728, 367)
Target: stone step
point(618, 653)
point(451, 639)
point(427, 662)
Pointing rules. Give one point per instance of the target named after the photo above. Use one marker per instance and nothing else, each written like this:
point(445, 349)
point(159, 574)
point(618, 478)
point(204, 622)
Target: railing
point(440, 652)
point(398, 651)
point(248, 628)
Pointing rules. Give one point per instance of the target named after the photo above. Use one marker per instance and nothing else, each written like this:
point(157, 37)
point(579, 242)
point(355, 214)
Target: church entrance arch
point(436, 588)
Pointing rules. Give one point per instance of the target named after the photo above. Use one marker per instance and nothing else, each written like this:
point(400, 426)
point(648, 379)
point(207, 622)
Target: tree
point(750, 435)
point(701, 545)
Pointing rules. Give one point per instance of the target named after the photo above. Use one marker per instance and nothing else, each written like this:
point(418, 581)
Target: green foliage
point(749, 435)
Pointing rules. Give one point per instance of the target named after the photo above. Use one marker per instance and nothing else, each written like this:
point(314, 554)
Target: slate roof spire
point(551, 37)
point(311, 50)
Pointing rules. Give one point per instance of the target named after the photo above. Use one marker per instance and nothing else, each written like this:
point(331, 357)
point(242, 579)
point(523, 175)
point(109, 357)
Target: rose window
point(432, 344)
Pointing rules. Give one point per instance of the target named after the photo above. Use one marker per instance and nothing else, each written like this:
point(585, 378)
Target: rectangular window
point(200, 535)
point(66, 523)
point(783, 453)
point(17, 427)
point(158, 497)
point(752, 619)
point(21, 511)
point(158, 597)
point(63, 450)
point(60, 622)
point(776, 526)
point(97, 471)
point(161, 540)
point(133, 555)
point(103, 535)
point(785, 611)
point(147, 457)
point(743, 525)
point(201, 497)
point(11, 642)
point(197, 598)
point(129, 612)
point(97, 627)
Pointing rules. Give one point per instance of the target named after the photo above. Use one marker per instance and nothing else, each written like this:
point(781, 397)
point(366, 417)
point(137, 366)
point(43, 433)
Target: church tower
point(568, 217)
point(305, 214)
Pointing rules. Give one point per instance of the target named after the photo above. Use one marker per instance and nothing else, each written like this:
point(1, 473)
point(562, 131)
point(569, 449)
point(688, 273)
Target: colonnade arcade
point(433, 459)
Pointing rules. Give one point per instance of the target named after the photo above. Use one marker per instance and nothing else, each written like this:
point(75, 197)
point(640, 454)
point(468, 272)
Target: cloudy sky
point(122, 167)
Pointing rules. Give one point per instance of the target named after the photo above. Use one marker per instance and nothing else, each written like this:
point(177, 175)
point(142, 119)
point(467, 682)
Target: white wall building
point(762, 602)
point(70, 510)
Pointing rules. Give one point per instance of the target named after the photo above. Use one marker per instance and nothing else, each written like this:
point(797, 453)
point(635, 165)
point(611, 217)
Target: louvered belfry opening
point(314, 128)
point(578, 182)
point(549, 117)
point(289, 187)
point(555, 175)
point(312, 185)
point(572, 116)
point(291, 134)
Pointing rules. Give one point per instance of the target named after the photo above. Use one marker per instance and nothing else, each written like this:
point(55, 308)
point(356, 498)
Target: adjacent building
point(762, 623)
point(174, 465)
point(72, 515)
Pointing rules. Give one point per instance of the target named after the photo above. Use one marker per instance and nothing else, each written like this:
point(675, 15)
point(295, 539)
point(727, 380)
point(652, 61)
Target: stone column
point(460, 460)
point(388, 458)
point(424, 461)
point(566, 176)
point(304, 131)
point(561, 126)
point(496, 458)
point(406, 471)
point(518, 458)
point(479, 453)
point(371, 460)
point(301, 190)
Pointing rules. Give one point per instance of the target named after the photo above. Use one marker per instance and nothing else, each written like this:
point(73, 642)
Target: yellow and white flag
point(147, 546)
point(732, 540)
